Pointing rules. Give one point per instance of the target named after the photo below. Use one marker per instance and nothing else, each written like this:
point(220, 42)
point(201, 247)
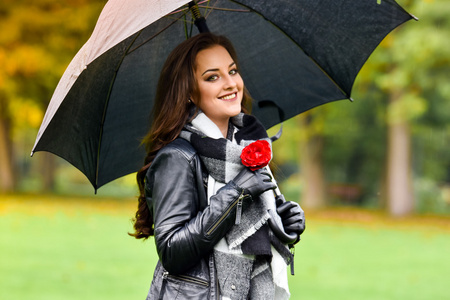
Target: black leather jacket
point(186, 227)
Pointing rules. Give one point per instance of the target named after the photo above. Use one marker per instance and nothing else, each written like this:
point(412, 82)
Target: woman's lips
point(228, 97)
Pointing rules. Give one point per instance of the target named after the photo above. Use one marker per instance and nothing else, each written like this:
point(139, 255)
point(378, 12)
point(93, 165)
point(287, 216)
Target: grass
point(77, 248)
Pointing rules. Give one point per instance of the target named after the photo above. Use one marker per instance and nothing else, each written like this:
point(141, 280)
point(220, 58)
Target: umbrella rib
point(186, 33)
point(108, 96)
point(186, 8)
point(152, 37)
point(178, 11)
point(224, 9)
point(211, 8)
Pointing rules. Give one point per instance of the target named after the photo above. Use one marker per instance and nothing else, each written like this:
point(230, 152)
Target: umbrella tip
point(351, 99)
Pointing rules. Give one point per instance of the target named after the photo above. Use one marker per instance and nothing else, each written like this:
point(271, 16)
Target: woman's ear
point(192, 100)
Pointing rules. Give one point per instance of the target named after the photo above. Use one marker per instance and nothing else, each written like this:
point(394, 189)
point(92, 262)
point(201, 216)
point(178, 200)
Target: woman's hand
point(292, 216)
point(254, 183)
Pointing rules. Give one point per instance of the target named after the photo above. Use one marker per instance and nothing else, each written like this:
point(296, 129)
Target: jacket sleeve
point(183, 234)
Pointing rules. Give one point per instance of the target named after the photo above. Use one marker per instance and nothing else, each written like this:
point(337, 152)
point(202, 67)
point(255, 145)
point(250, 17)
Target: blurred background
point(373, 175)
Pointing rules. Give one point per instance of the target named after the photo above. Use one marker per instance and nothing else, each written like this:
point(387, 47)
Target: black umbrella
point(294, 55)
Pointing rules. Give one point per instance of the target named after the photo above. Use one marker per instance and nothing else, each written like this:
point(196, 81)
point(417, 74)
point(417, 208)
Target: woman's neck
point(223, 127)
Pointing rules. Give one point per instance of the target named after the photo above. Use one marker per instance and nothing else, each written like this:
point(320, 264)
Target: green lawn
point(77, 248)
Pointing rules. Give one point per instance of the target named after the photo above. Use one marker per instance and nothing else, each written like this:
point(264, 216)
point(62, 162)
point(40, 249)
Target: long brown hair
point(172, 109)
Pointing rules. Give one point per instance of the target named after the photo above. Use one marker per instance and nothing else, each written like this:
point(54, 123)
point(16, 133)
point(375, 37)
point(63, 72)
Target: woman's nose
point(229, 82)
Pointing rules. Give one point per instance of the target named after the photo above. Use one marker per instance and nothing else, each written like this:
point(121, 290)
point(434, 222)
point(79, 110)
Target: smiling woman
point(208, 212)
point(220, 86)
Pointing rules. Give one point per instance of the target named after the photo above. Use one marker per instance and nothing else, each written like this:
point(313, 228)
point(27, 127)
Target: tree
point(38, 40)
point(6, 169)
point(311, 160)
point(299, 153)
point(410, 67)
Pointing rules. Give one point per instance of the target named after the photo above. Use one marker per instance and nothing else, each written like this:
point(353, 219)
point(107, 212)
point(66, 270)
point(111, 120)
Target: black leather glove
point(292, 216)
point(254, 183)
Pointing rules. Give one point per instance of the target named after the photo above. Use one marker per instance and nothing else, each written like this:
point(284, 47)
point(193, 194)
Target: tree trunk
point(48, 167)
point(399, 193)
point(7, 182)
point(313, 195)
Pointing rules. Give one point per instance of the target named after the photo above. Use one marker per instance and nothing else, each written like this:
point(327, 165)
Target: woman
point(207, 211)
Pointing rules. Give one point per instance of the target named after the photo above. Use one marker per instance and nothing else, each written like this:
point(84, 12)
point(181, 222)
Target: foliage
point(32, 33)
point(38, 40)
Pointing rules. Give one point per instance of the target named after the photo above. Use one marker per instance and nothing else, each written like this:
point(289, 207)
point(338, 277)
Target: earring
point(189, 100)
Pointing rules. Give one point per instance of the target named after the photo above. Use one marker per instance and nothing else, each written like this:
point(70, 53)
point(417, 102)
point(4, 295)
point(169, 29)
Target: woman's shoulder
point(177, 156)
point(178, 147)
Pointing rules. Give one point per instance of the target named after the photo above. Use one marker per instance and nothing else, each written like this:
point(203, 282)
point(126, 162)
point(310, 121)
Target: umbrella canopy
point(294, 54)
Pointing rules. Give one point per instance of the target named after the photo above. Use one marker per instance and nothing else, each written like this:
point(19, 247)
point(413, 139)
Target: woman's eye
point(212, 78)
point(233, 72)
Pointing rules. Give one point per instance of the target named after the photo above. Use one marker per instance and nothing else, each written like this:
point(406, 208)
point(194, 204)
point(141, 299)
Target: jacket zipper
point(237, 203)
point(239, 209)
point(186, 279)
point(163, 286)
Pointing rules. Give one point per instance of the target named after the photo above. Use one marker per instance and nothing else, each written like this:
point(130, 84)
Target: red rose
point(256, 155)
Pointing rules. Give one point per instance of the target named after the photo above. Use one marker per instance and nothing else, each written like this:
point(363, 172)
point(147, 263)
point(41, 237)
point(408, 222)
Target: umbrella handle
point(275, 221)
point(199, 20)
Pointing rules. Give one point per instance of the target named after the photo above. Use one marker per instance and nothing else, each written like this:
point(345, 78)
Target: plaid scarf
point(250, 254)
point(221, 156)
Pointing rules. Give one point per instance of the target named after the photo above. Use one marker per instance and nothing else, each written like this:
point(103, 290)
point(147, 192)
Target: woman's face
point(220, 86)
